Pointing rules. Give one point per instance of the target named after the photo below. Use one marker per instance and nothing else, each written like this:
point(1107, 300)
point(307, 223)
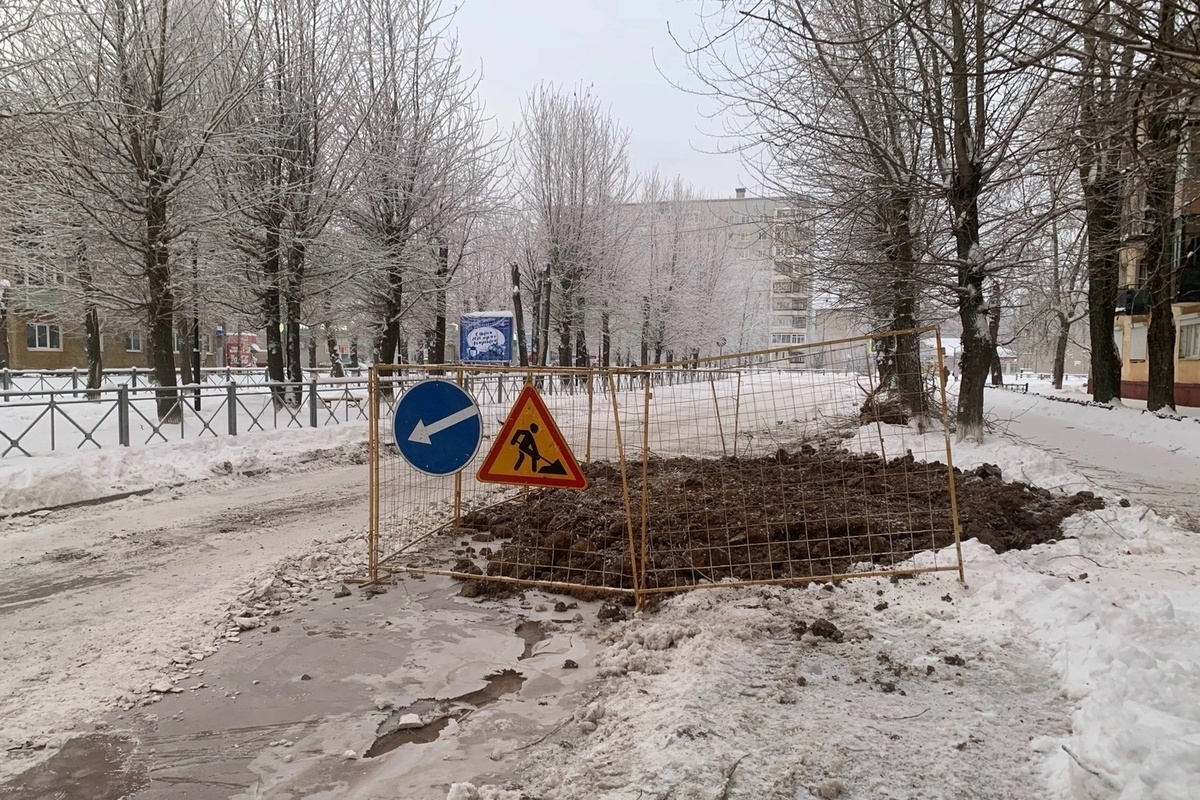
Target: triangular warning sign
point(530, 451)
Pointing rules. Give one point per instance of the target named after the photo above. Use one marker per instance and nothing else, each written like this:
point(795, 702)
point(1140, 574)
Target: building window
point(788, 321)
point(787, 338)
point(133, 342)
point(39, 336)
point(1137, 342)
point(1189, 338)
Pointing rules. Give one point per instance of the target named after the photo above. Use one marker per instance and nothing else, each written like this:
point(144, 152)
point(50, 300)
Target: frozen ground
point(1069, 671)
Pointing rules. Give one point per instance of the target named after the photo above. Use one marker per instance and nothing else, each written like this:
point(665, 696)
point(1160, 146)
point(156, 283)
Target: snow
point(1081, 674)
point(27, 484)
point(1070, 671)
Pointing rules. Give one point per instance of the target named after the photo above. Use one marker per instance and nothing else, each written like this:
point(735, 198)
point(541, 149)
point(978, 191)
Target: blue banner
point(486, 338)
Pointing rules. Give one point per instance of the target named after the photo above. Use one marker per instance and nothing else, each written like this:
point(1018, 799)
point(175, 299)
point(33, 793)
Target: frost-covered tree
point(148, 87)
point(573, 174)
point(429, 160)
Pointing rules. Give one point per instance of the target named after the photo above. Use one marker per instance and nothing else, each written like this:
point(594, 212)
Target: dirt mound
point(788, 516)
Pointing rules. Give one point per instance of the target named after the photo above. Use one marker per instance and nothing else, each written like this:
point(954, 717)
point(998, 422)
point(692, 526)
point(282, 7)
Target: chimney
point(740, 193)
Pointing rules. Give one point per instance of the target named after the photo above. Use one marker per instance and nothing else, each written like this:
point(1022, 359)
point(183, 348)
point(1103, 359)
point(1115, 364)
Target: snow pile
point(771, 692)
point(467, 791)
point(1123, 632)
point(27, 484)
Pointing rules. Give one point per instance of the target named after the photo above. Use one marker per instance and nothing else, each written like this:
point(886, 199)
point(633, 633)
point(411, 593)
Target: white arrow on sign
point(422, 432)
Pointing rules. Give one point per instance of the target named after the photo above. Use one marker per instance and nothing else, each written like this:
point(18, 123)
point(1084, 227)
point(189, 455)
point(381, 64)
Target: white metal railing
point(53, 411)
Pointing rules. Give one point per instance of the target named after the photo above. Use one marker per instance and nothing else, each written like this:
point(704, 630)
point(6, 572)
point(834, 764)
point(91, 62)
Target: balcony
point(1133, 300)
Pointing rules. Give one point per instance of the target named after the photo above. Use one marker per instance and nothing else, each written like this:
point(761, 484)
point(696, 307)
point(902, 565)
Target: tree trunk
point(4, 352)
point(896, 226)
point(581, 351)
point(535, 307)
point(91, 325)
point(1103, 223)
point(965, 186)
point(441, 286)
point(312, 349)
point(645, 350)
point(1060, 349)
point(1160, 154)
point(273, 313)
point(547, 291)
point(354, 353)
point(519, 316)
point(293, 297)
point(183, 356)
point(605, 338)
point(161, 309)
point(335, 358)
point(1101, 120)
point(995, 308)
point(565, 318)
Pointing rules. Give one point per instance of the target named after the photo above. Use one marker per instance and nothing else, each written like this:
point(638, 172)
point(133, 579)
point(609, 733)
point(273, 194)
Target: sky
point(624, 50)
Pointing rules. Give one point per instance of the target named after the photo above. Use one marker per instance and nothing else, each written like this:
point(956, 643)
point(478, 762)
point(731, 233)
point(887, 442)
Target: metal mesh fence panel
point(812, 462)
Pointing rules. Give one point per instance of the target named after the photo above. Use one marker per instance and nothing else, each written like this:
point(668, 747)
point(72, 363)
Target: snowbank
point(27, 484)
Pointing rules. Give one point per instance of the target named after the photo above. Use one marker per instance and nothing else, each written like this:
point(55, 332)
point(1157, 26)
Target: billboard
point(486, 337)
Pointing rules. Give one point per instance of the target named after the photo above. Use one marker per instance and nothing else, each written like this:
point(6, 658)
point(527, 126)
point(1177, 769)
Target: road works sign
point(530, 451)
point(437, 427)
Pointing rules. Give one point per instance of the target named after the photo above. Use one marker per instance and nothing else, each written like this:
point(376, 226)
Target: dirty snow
point(1071, 670)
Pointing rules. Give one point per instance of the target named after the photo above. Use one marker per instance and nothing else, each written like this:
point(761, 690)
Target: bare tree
point(430, 158)
point(906, 106)
point(679, 288)
point(573, 169)
point(148, 91)
point(284, 171)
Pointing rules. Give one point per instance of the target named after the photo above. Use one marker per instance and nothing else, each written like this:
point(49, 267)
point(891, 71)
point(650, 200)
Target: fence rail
point(53, 411)
point(35, 423)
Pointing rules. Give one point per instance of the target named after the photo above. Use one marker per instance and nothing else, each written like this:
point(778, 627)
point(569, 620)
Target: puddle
point(532, 632)
point(497, 685)
point(92, 767)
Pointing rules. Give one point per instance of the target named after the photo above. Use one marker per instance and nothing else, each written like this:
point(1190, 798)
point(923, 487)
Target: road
point(97, 603)
point(1098, 443)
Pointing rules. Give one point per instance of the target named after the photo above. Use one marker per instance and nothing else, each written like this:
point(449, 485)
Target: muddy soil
point(789, 516)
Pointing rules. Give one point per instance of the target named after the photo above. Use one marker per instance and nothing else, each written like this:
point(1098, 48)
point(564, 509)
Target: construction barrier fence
point(821, 461)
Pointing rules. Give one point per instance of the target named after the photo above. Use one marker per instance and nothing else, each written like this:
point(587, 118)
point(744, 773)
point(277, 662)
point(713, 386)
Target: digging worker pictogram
point(526, 442)
point(527, 446)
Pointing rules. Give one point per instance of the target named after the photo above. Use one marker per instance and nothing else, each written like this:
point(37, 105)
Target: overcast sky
point(613, 45)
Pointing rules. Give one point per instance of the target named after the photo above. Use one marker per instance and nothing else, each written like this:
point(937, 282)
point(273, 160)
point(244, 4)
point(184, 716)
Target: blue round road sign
point(437, 427)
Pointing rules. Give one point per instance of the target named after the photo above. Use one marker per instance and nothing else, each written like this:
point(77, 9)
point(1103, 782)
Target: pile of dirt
point(788, 516)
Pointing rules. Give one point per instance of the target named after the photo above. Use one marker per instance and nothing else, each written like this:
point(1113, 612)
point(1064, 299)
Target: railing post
point(123, 414)
point(6, 382)
point(74, 381)
point(231, 407)
point(133, 377)
point(312, 403)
